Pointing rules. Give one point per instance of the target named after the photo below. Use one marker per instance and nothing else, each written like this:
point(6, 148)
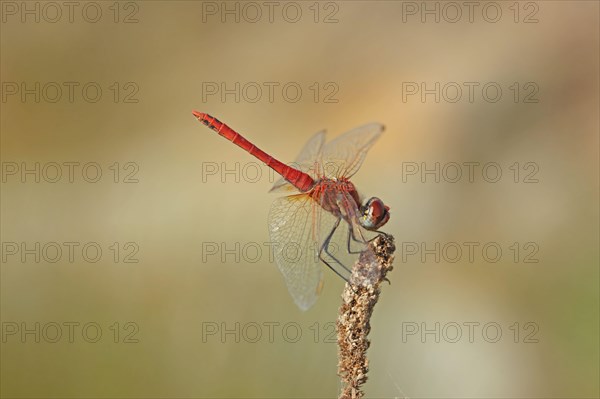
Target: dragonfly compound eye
point(374, 214)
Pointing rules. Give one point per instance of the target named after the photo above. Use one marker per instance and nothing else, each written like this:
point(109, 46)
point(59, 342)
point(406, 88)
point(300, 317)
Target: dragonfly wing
point(295, 243)
point(305, 161)
point(343, 156)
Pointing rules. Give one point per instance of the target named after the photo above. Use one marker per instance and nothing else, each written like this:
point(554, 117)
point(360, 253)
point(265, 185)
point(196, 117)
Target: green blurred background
point(176, 293)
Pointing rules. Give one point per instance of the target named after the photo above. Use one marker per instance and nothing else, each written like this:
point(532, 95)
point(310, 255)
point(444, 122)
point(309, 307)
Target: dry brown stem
point(360, 295)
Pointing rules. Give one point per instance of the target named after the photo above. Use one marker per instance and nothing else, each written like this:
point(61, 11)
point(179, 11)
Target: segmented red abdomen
point(300, 180)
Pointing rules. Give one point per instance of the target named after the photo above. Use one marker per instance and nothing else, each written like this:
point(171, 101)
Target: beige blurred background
point(176, 292)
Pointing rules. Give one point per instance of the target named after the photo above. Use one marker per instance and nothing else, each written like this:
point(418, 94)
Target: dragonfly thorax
point(333, 193)
point(339, 195)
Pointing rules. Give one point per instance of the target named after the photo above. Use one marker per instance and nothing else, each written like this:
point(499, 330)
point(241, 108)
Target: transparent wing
point(299, 228)
point(343, 156)
point(294, 239)
point(305, 161)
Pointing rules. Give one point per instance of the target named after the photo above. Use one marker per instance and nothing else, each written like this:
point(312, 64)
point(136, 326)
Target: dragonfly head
point(374, 214)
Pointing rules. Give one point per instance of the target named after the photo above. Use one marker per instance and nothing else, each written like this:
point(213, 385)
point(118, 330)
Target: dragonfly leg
point(325, 248)
point(332, 268)
point(351, 237)
point(379, 232)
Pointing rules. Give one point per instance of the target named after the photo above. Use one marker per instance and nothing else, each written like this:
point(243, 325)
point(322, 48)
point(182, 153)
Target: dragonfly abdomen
point(300, 180)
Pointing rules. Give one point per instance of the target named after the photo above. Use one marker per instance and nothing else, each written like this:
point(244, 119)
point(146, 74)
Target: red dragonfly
point(305, 226)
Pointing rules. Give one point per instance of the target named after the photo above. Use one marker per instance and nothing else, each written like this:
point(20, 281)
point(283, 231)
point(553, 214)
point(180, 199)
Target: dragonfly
point(323, 208)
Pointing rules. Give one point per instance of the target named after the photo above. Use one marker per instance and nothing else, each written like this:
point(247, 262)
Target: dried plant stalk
point(360, 295)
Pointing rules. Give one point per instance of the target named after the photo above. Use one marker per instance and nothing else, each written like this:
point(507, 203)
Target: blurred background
point(135, 255)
